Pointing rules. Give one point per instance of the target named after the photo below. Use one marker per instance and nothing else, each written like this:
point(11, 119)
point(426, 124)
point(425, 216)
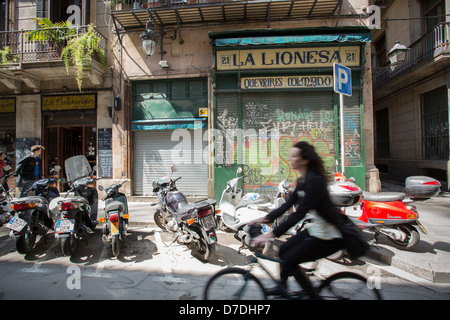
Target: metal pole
point(341, 102)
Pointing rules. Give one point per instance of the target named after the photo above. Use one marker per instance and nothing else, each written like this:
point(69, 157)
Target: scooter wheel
point(25, 243)
point(116, 245)
point(412, 236)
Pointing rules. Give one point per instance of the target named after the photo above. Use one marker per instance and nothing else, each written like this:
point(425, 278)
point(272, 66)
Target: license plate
point(209, 222)
point(65, 225)
point(114, 227)
point(16, 224)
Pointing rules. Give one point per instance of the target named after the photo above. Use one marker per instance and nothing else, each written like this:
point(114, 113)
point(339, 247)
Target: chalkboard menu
point(105, 163)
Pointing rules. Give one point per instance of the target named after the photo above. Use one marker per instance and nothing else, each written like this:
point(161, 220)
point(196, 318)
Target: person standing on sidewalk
point(30, 169)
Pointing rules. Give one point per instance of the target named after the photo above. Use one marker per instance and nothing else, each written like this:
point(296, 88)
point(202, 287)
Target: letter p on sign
point(342, 77)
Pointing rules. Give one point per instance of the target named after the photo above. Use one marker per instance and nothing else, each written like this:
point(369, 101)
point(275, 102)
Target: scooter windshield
point(77, 167)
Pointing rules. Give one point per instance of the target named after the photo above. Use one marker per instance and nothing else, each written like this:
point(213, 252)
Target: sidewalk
point(429, 260)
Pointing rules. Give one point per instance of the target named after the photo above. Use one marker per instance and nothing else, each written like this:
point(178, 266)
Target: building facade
point(231, 84)
point(40, 100)
point(411, 99)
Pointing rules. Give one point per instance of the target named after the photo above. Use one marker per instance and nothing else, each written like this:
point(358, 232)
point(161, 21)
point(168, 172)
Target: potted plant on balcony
point(6, 56)
point(54, 34)
point(80, 51)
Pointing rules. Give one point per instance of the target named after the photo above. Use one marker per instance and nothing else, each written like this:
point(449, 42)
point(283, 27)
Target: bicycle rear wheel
point(348, 286)
point(234, 284)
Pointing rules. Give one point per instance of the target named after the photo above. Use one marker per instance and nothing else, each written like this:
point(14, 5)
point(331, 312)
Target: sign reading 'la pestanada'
point(285, 58)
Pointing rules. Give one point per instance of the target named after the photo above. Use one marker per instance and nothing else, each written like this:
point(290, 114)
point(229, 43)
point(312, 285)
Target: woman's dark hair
point(309, 153)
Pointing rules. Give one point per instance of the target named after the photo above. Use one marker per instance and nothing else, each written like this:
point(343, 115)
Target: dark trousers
point(304, 248)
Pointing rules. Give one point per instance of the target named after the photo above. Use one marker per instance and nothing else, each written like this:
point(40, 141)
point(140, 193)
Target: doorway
point(63, 141)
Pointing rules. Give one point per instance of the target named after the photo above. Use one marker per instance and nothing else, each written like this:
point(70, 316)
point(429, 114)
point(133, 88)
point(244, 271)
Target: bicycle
point(235, 283)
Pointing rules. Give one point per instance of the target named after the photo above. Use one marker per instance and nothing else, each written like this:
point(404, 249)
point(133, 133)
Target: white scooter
point(237, 211)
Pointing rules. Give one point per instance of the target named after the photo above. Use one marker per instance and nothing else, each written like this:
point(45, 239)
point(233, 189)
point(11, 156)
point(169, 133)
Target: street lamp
point(149, 40)
point(397, 55)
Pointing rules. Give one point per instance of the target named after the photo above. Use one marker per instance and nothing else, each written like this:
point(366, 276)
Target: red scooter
point(390, 213)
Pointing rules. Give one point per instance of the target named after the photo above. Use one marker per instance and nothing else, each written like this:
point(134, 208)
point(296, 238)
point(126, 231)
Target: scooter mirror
point(57, 168)
point(100, 188)
point(239, 170)
point(174, 168)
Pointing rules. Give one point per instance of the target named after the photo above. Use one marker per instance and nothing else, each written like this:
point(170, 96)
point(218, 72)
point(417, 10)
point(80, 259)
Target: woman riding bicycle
point(322, 238)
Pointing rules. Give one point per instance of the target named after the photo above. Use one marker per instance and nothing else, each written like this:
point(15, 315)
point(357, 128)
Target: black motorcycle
point(32, 214)
point(192, 224)
point(78, 214)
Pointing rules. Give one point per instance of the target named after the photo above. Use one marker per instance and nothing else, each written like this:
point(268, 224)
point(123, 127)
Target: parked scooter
point(237, 210)
point(116, 216)
point(32, 216)
point(78, 214)
point(391, 213)
point(192, 224)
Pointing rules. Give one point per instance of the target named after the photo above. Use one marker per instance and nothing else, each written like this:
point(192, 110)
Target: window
point(380, 51)
point(166, 99)
point(382, 133)
point(434, 12)
point(56, 10)
point(6, 15)
point(434, 112)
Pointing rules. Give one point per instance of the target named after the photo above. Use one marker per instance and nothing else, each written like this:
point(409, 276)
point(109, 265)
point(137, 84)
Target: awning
point(168, 124)
point(181, 12)
point(356, 37)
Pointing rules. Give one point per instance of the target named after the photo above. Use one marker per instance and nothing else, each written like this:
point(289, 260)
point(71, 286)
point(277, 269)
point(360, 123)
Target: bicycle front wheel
point(348, 286)
point(234, 284)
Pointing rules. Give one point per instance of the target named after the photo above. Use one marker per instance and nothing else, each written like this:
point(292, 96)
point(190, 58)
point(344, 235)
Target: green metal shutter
point(352, 130)
point(298, 116)
point(227, 123)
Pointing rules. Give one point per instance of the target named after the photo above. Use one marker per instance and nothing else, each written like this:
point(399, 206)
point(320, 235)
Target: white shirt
point(321, 229)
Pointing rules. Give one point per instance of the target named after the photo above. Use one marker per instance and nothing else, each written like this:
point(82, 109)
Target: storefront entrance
point(63, 141)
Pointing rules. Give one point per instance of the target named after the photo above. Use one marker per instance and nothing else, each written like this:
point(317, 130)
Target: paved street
point(149, 269)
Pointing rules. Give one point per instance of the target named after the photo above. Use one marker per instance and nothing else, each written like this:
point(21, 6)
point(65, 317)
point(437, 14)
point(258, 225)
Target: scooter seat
point(76, 199)
point(261, 207)
point(116, 205)
point(383, 196)
point(244, 203)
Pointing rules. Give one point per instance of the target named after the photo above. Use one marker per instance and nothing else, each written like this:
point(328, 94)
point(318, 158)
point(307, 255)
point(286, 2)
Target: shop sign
point(69, 102)
point(203, 112)
point(288, 58)
point(7, 105)
point(286, 82)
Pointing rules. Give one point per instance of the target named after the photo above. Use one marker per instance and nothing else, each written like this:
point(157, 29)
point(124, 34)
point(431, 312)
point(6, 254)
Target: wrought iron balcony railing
point(434, 43)
point(119, 5)
point(15, 47)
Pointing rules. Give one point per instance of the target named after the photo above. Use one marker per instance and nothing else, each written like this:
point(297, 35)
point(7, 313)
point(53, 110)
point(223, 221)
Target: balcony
point(426, 56)
point(132, 14)
point(35, 61)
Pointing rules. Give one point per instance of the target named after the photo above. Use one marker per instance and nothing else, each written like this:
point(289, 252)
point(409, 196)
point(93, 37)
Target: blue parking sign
point(342, 77)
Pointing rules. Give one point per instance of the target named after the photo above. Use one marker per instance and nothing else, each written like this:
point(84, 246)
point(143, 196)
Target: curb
point(380, 254)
